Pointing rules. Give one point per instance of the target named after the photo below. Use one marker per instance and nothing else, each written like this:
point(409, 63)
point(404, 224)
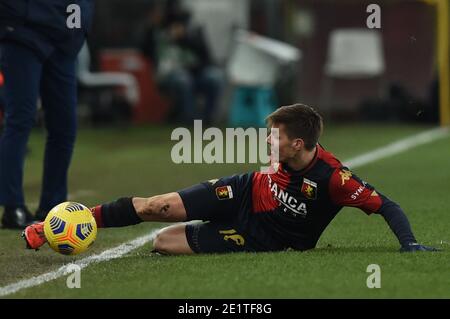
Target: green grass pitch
point(114, 162)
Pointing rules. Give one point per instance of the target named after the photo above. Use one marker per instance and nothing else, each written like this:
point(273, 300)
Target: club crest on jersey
point(224, 192)
point(309, 189)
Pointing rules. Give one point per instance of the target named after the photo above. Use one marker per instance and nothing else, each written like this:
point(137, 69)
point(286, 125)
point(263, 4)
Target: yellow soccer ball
point(70, 228)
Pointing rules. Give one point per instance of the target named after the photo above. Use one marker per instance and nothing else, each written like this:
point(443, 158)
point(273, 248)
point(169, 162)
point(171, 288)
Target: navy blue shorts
point(224, 206)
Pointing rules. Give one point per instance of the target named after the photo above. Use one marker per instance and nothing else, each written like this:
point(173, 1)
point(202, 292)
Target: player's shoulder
point(325, 163)
point(328, 158)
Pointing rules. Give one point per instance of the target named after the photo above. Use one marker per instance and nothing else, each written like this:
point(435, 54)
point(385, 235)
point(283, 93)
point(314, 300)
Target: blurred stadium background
point(405, 87)
point(405, 77)
point(373, 86)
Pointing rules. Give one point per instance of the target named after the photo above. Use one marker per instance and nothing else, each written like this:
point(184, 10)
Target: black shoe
point(41, 214)
point(17, 218)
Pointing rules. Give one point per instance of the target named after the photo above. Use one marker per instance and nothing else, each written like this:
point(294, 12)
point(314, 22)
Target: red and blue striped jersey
point(295, 207)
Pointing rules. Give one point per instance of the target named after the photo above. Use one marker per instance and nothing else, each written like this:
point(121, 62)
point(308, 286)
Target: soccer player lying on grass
point(256, 212)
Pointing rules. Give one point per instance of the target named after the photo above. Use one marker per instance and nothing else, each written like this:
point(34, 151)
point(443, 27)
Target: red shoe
point(34, 236)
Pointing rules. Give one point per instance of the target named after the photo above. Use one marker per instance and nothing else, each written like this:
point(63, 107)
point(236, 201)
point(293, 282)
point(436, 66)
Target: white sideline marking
point(109, 254)
point(398, 147)
point(117, 252)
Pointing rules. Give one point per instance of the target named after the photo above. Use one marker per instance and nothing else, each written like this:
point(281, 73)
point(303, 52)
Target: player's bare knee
point(172, 241)
point(161, 243)
point(157, 242)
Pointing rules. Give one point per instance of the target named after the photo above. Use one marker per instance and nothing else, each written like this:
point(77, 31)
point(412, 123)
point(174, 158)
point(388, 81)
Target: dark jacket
point(42, 24)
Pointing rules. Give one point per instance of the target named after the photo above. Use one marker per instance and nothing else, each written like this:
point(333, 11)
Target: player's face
point(287, 148)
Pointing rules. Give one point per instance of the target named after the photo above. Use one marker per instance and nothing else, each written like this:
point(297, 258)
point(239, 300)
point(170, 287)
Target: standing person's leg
point(22, 71)
point(59, 99)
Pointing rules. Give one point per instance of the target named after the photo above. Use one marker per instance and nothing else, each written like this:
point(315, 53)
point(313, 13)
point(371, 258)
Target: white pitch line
point(117, 252)
point(397, 147)
point(109, 254)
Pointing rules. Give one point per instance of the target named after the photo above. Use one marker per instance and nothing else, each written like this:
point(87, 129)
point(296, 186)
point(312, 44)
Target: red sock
point(97, 213)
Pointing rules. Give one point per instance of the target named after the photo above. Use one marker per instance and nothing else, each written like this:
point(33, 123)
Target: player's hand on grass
point(412, 247)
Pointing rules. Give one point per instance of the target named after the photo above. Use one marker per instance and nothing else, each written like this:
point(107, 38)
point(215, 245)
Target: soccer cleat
point(17, 217)
point(34, 236)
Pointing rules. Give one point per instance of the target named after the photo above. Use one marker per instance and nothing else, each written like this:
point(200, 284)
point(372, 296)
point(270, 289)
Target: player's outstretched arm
point(346, 189)
point(399, 224)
